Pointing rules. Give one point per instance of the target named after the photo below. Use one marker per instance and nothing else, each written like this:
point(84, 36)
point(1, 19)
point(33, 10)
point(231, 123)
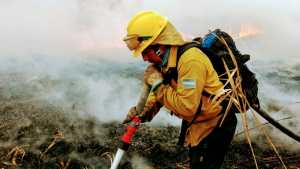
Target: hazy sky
point(82, 27)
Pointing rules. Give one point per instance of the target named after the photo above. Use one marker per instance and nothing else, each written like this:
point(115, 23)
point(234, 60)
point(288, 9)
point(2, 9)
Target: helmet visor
point(134, 41)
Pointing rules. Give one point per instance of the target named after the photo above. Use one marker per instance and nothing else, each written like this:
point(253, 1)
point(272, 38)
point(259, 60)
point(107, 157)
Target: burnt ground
point(37, 135)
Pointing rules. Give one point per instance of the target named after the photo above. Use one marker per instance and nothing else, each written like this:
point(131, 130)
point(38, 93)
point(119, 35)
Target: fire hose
point(276, 124)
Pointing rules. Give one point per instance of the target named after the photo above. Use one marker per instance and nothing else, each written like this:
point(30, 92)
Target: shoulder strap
point(172, 72)
point(212, 56)
point(186, 47)
point(185, 124)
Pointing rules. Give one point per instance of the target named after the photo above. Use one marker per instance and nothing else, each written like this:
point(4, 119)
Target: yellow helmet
point(143, 29)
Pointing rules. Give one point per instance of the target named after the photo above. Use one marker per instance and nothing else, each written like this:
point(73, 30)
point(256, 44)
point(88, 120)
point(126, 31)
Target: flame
point(248, 30)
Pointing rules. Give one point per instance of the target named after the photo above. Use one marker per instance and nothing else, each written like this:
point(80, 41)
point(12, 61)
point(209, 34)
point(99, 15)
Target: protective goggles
point(134, 41)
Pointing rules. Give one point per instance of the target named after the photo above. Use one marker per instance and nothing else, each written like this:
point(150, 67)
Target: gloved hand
point(152, 76)
point(131, 113)
point(150, 110)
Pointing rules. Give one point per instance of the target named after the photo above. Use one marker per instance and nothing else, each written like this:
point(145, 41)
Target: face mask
point(152, 55)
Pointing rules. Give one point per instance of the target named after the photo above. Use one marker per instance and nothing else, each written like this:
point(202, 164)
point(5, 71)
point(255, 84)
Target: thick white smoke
point(76, 46)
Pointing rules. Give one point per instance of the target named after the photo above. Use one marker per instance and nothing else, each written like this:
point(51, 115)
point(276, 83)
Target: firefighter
point(187, 86)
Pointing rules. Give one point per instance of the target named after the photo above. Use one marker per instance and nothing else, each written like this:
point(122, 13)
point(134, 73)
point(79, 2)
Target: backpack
point(215, 49)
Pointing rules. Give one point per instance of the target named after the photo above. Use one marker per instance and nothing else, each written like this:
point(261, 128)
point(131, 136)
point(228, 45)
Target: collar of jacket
point(165, 58)
point(169, 71)
point(172, 60)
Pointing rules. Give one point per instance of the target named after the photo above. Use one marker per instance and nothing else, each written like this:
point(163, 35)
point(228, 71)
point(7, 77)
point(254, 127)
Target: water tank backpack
point(218, 45)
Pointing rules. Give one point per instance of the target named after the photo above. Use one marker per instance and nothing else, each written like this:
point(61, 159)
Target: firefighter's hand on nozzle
point(151, 108)
point(131, 113)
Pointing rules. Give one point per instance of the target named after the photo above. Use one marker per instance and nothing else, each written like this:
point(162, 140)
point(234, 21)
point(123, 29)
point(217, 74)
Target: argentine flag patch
point(189, 83)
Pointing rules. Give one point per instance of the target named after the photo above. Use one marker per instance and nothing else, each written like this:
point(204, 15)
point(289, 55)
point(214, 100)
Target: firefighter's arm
point(152, 78)
point(184, 100)
point(147, 106)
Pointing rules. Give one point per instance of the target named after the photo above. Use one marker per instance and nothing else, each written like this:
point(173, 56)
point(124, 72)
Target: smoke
point(84, 27)
point(70, 53)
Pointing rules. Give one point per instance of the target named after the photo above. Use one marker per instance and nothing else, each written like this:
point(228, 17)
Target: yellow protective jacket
point(195, 75)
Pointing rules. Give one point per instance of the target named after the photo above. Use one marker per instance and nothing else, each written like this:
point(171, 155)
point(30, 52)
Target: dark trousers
point(210, 152)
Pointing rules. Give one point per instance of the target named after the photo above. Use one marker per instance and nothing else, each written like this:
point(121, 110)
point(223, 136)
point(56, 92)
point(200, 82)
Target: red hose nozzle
point(131, 130)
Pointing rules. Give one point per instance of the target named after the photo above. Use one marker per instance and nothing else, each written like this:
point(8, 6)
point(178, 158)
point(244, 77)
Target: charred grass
point(41, 136)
